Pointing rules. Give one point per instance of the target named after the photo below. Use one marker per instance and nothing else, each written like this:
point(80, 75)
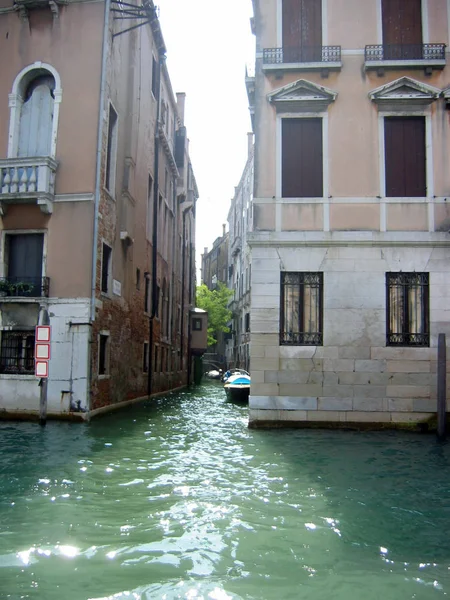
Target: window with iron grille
point(103, 354)
point(301, 319)
point(17, 352)
point(407, 309)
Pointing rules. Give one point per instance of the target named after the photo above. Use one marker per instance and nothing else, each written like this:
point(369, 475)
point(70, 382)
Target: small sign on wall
point(117, 287)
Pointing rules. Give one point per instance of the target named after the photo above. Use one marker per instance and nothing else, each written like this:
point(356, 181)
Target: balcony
point(24, 287)
point(401, 56)
point(318, 58)
point(27, 181)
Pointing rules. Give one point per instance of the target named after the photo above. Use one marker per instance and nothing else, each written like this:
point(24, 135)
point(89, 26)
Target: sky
point(209, 43)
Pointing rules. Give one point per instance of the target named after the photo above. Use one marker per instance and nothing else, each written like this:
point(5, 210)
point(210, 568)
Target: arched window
point(34, 104)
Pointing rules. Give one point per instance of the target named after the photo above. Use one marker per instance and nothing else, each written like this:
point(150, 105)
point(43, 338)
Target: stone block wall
point(354, 376)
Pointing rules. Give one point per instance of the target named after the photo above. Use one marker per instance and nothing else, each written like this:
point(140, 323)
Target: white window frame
point(7, 232)
point(324, 23)
point(110, 186)
point(16, 101)
point(425, 25)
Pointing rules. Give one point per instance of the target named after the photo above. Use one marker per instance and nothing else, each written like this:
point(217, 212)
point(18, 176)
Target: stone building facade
point(240, 268)
point(350, 246)
point(97, 199)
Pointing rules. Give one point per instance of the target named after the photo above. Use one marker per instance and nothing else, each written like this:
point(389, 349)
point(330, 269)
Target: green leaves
point(215, 302)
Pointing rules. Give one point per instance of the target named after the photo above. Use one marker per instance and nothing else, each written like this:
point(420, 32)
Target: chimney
point(205, 251)
point(223, 229)
point(181, 99)
point(250, 143)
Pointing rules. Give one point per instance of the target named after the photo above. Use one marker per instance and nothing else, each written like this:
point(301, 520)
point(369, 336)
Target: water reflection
point(178, 499)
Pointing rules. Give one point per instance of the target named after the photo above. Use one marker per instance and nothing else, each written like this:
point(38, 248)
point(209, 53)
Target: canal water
point(177, 498)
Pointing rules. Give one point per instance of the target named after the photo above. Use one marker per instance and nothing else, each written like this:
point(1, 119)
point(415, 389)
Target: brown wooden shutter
point(302, 30)
point(302, 158)
point(402, 29)
point(404, 140)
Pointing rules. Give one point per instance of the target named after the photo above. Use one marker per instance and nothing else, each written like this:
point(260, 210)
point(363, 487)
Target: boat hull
point(237, 392)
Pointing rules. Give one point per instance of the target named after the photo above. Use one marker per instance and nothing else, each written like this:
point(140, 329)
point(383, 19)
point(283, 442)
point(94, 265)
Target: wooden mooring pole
point(441, 387)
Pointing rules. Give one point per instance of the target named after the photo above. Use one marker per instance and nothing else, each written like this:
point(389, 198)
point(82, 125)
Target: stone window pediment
point(404, 93)
point(302, 96)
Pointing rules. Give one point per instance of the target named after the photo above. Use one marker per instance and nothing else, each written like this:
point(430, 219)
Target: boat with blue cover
point(237, 385)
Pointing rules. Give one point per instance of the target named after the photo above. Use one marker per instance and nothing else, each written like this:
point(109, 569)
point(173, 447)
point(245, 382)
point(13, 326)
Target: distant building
point(215, 271)
point(350, 245)
point(97, 202)
point(240, 266)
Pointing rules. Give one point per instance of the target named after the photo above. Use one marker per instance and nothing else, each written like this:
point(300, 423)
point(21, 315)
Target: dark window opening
point(103, 354)
point(111, 150)
point(301, 318)
point(302, 158)
point(106, 260)
point(407, 309)
point(17, 352)
point(404, 141)
point(197, 324)
point(138, 279)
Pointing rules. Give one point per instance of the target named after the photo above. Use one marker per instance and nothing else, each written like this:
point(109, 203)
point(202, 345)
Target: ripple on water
point(177, 498)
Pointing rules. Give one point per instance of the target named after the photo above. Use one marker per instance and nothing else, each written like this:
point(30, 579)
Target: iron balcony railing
point(22, 287)
point(423, 52)
point(308, 54)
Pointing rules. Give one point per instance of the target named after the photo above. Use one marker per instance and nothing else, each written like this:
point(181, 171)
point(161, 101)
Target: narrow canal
point(179, 499)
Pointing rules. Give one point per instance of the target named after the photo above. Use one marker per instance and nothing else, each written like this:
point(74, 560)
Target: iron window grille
point(17, 352)
point(301, 319)
point(407, 304)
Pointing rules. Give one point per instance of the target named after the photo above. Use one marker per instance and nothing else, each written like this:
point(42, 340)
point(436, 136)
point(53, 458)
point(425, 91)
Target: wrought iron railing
point(19, 287)
point(404, 52)
point(17, 352)
point(308, 54)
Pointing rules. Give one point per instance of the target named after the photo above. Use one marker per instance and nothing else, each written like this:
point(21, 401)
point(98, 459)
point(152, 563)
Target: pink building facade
point(97, 201)
point(350, 243)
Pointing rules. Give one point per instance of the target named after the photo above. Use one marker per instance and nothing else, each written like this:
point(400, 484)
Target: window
point(23, 264)
point(196, 324)
point(301, 322)
point(402, 29)
point(147, 294)
point(103, 351)
point(17, 352)
point(404, 142)
point(138, 279)
point(149, 208)
point(154, 77)
point(106, 268)
point(302, 158)
point(111, 151)
point(36, 117)
point(407, 314)
point(302, 30)
point(145, 358)
point(247, 322)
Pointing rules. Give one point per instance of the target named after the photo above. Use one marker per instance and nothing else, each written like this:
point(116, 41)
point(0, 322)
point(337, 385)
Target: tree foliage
point(215, 302)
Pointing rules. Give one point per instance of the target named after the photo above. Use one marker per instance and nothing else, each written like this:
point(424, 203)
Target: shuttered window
point(402, 29)
point(302, 158)
point(302, 30)
point(404, 140)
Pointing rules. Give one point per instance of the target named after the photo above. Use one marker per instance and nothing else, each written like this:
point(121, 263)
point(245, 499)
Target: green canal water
point(177, 498)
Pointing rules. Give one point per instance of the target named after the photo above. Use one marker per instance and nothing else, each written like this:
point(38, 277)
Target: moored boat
point(237, 386)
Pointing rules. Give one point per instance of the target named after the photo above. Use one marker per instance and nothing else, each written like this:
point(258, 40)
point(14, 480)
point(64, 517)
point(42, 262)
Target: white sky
point(208, 45)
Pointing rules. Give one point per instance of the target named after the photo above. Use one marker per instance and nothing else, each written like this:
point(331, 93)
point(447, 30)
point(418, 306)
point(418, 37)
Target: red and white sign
point(41, 368)
point(43, 333)
point(42, 350)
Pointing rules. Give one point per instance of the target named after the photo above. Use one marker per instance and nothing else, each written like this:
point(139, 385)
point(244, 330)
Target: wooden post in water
point(441, 387)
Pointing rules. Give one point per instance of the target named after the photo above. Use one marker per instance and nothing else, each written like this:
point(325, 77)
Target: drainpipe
point(99, 154)
point(154, 233)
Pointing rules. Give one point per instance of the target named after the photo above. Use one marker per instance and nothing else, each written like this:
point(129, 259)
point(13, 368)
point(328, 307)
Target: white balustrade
point(27, 176)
